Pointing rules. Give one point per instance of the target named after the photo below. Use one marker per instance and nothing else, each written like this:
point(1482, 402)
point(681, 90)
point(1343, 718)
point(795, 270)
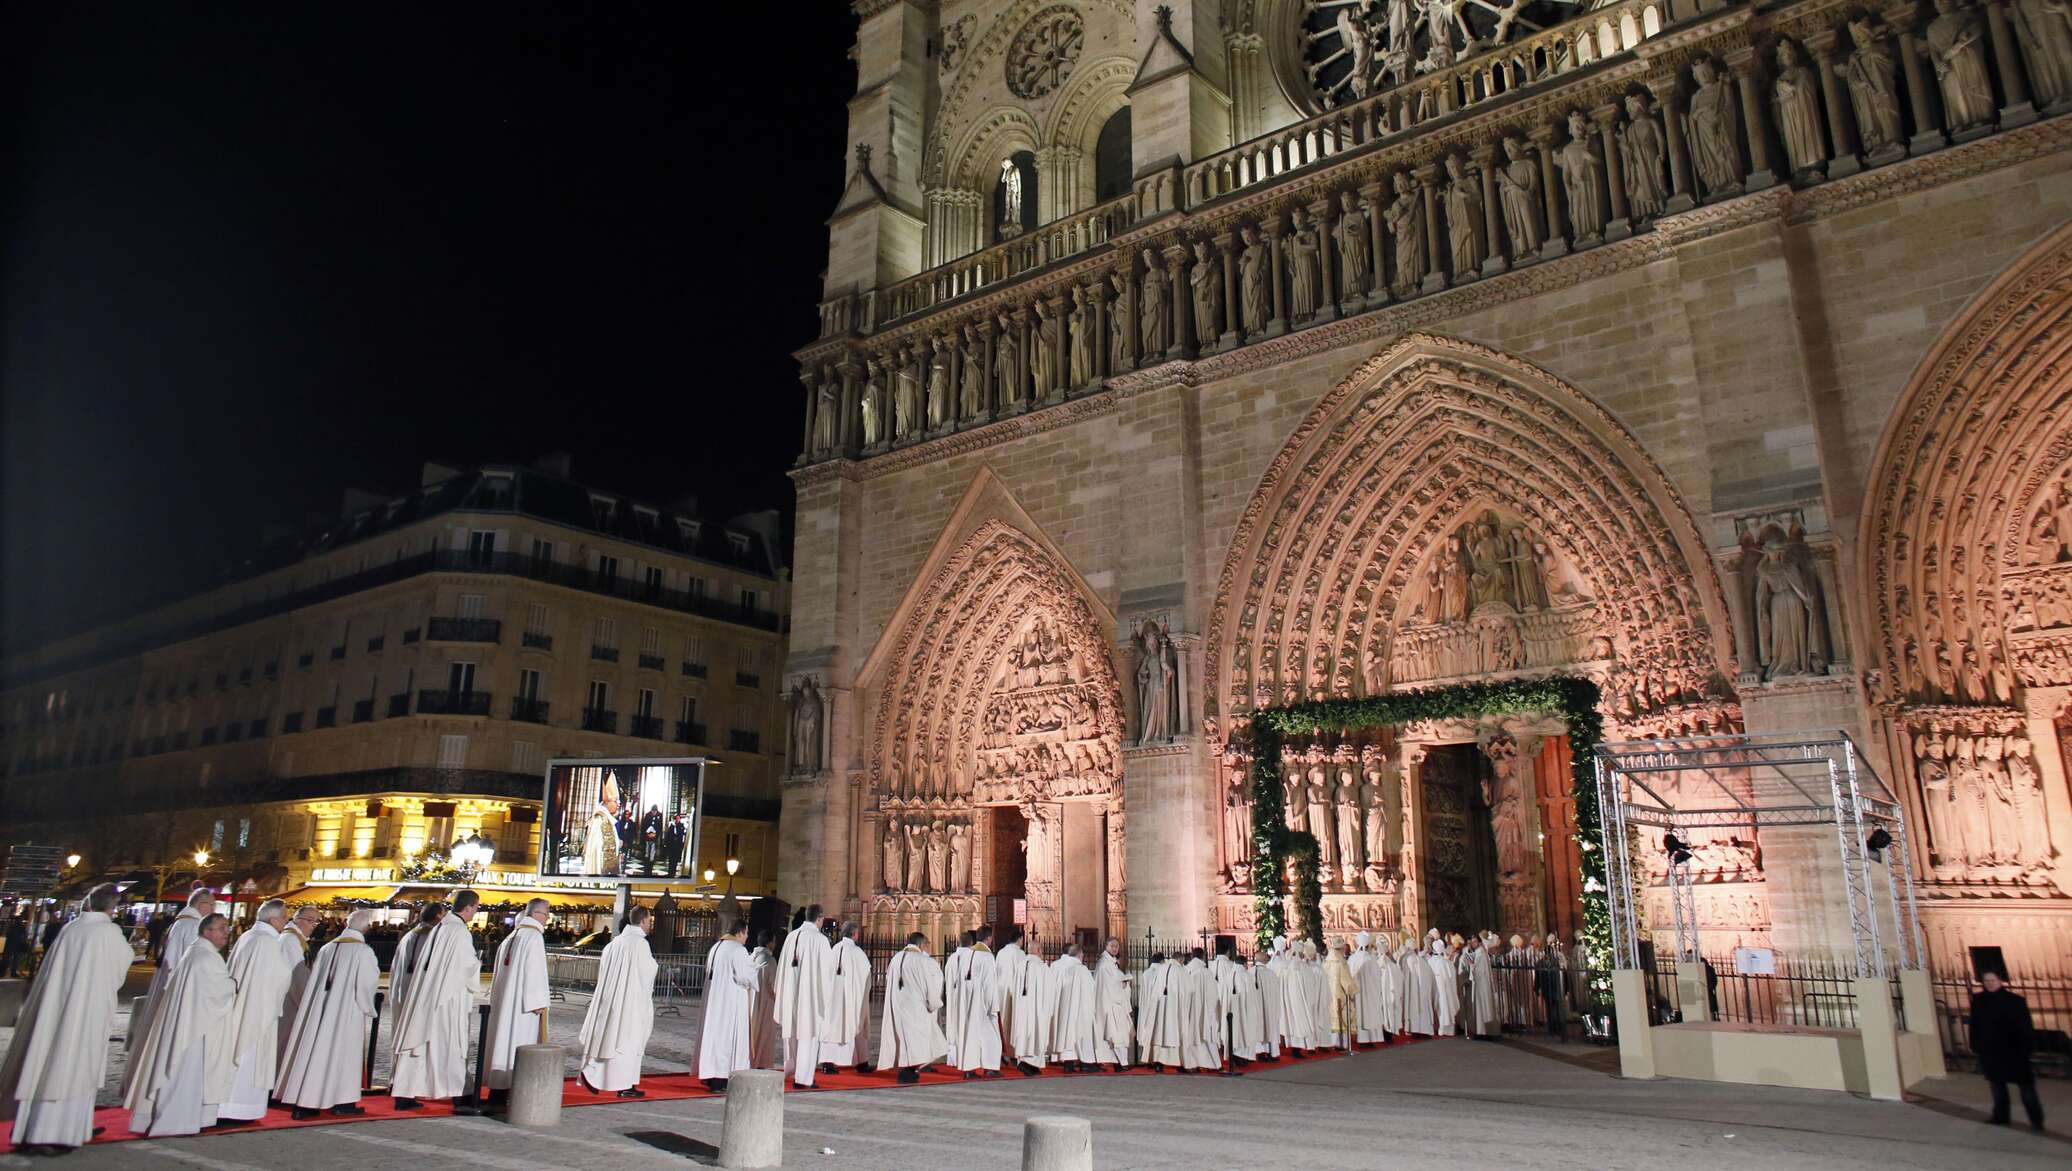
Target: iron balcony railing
point(432, 702)
point(530, 711)
point(363, 710)
point(689, 732)
point(600, 720)
point(463, 630)
point(646, 727)
point(534, 640)
point(604, 654)
point(399, 705)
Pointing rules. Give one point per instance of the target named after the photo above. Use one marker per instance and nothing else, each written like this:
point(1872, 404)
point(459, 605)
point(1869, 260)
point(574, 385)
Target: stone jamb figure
point(1207, 283)
point(1956, 42)
point(2044, 29)
point(1405, 218)
point(1353, 245)
point(1518, 186)
point(1795, 95)
point(1873, 96)
point(1253, 267)
point(873, 401)
point(1464, 211)
point(1303, 273)
point(1154, 323)
point(1641, 153)
point(1714, 146)
point(1578, 161)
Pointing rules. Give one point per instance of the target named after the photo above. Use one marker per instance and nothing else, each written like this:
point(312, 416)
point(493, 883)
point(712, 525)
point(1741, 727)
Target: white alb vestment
point(847, 1030)
point(402, 965)
point(261, 970)
point(622, 1012)
point(908, 1034)
point(183, 1065)
point(1373, 990)
point(327, 1037)
point(1483, 1020)
point(805, 992)
point(764, 1039)
point(1026, 982)
point(976, 1031)
point(1206, 1037)
point(731, 984)
point(1072, 1020)
point(1445, 993)
point(1298, 1011)
point(1239, 1030)
point(59, 1054)
point(295, 949)
point(1272, 1009)
point(954, 970)
point(1419, 1001)
point(517, 999)
point(432, 1032)
point(172, 949)
point(1111, 1012)
point(1170, 1017)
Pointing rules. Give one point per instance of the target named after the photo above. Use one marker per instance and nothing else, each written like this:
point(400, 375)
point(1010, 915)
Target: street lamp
point(733, 868)
point(71, 861)
point(201, 857)
point(472, 856)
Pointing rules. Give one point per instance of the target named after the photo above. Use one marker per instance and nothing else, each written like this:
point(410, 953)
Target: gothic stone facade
point(1435, 382)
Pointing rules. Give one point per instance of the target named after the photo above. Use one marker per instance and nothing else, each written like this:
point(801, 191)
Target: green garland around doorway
point(1274, 845)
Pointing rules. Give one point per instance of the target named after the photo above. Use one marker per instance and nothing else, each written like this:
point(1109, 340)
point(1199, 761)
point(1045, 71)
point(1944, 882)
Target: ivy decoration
point(1278, 852)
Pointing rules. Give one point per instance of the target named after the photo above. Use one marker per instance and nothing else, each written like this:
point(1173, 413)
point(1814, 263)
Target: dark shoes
point(828, 1067)
point(302, 1114)
point(909, 1076)
point(350, 1110)
point(717, 1085)
point(409, 1104)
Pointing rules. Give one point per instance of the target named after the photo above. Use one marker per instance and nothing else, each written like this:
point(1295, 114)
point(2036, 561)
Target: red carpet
point(114, 1120)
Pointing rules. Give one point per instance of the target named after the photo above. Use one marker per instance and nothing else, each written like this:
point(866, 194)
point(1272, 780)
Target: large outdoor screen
point(622, 818)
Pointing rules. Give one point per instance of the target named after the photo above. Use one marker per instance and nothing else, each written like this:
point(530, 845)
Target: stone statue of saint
point(906, 405)
point(1355, 255)
point(805, 728)
point(1007, 360)
point(895, 855)
point(1207, 283)
point(1464, 210)
point(1043, 350)
point(1577, 159)
point(1154, 687)
point(1304, 293)
point(1010, 199)
point(971, 387)
point(1529, 588)
point(1237, 827)
point(1119, 324)
point(960, 856)
point(1956, 41)
point(1518, 186)
point(1489, 575)
point(1080, 327)
point(1317, 795)
point(939, 384)
point(1154, 323)
point(1358, 43)
point(1037, 845)
point(1506, 816)
point(917, 857)
point(1786, 606)
point(1118, 853)
point(2044, 29)
point(1377, 818)
point(1406, 221)
point(1640, 156)
point(873, 403)
point(1872, 92)
point(938, 859)
point(1714, 146)
point(1795, 96)
point(827, 409)
point(1252, 269)
point(1460, 598)
point(1350, 838)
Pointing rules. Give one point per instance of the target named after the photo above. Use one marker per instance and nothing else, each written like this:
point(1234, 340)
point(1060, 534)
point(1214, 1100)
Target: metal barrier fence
point(1815, 993)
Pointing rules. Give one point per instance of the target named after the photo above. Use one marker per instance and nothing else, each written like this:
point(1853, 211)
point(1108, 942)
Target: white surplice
point(1483, 1020)
point(1419, 995)
point(845, 1034)
point(402, 966)
point(1026, 981)
point(517, 999)
point(908, 1033)
point(1373, 993)
point(980, 998)
point(261, 969)
point(432, 1032)
point(295, 949)
point(327, 1036)
point(731, 984)
point(953, 973)
point(1111, 1012)
point(764, 1038)
point(1445, 992)
point(1239, 1029)
point(622, 1012)
point(1162, 1010)
point(1298, 1010)
point(805, 991)
point(183, 1065)
point(1271, 1006)
point(172, 948)
point(1200, 1047)
point(1072, 1021)
point(59, 1054)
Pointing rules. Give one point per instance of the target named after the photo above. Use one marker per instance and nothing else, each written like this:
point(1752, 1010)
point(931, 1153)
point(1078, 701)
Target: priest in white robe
point(847, 1031)
point(980, 998)
point(1298, 1012)
point(805, 992)
point(1072, 1022)
point(59, 1054)
point(1268, 983)
point(1029, 1005)
point(1204, 1052)
point(1162, 1002)
point(1319, 990)
point(1391, 976)
point(1112, 1008)
point(1240, 1024)
point(260, 968)
point(432, 1033)
point(954, 970)
point(183, 1065)
point(295, 939)
point(1484, 1023)
point(765, 1041)
point(622, 1010)
point(172, 949)
point(1344, 993)
point(1367, 977)
point(909, 1038)
point(323, 1066)
point(517, 997)
point(1445, 991)
point(731, 983)
point(404, 961)
point(1419, 997)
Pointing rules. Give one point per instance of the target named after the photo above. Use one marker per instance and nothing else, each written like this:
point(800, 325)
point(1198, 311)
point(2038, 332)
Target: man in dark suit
point(651, 837)
point(674, 839)
point(2004, 1037)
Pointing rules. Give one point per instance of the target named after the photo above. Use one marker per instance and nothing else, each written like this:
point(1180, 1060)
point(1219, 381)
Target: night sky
point(256, 254)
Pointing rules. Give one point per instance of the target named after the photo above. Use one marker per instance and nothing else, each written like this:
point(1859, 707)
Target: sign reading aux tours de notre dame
point(1411, 345)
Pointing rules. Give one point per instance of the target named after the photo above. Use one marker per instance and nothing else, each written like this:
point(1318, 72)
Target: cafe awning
point(340, 894)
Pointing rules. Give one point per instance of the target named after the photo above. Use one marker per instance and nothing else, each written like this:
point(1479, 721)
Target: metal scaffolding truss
point(1804, 779)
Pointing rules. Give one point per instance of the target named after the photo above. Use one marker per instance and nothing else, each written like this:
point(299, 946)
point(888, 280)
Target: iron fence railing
point(2050, 1009)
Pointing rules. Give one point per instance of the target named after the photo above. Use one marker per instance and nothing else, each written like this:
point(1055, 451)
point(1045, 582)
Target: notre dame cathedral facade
point(1179, 360)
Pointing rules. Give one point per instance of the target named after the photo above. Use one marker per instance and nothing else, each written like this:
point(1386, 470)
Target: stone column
point(1412, 821)
point(1180, 296)
point(1550, 193)
point(1435, 255)
point(812, 386)
point(2007, 63)
point(1669, 100)
point(1493, 261)
point(1620, 225)
point(1731, 575)
point(1060, 374)
point(1271, 227)
point(1226, 243)
point(1377, 243)
point(995, 394)
point(1130, 307)
point(852, 393)
point(1842, 158)
point(1928, 135)
point(1327, 300)
point(1097, 296)
point(953, 343)
point(1025, 320)
point(1748, 79)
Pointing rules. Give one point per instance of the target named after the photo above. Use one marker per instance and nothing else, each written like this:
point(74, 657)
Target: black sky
point(255, 254)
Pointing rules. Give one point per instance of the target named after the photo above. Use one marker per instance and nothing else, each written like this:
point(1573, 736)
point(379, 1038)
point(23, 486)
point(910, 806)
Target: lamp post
point(473, 855)
point(733, 868)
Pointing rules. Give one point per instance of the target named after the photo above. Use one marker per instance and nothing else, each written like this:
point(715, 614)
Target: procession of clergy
point(214, 1043)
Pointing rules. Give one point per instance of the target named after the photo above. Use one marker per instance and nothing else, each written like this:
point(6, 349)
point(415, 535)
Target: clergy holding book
point(59, 1054)
point(183, 1067)
point(622, 1010)
point(295, 939)
point(261, 970)
point(1112, 1008)
point(725, 1039)
point(322, 1067)
point(517, 997)
point(909, 1039)
point(432, 1030)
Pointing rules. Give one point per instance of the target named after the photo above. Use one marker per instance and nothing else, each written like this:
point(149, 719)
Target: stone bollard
point(1057, 1142)
point(536, 1080)
point(753, 1135)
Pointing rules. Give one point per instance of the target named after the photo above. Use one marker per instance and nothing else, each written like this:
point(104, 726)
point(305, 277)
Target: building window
point(525, 757)
point(471, 606)
point(481, 547)
point(607, 567)
point(748, 600)
point(604, 633)
point(654, 580)
point(244, 832)
point(733, 845)
point(696, 586)
point(651, 641)
point(216, 836)
point(460, 678)
point(694, 648)
point(528, 684)
point(536, 618)
point(600, 695)
point(687, 711)
point(647, 703)
point(602, 510)
point(542, 551)
point(1112, 168)
point(453, 752)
